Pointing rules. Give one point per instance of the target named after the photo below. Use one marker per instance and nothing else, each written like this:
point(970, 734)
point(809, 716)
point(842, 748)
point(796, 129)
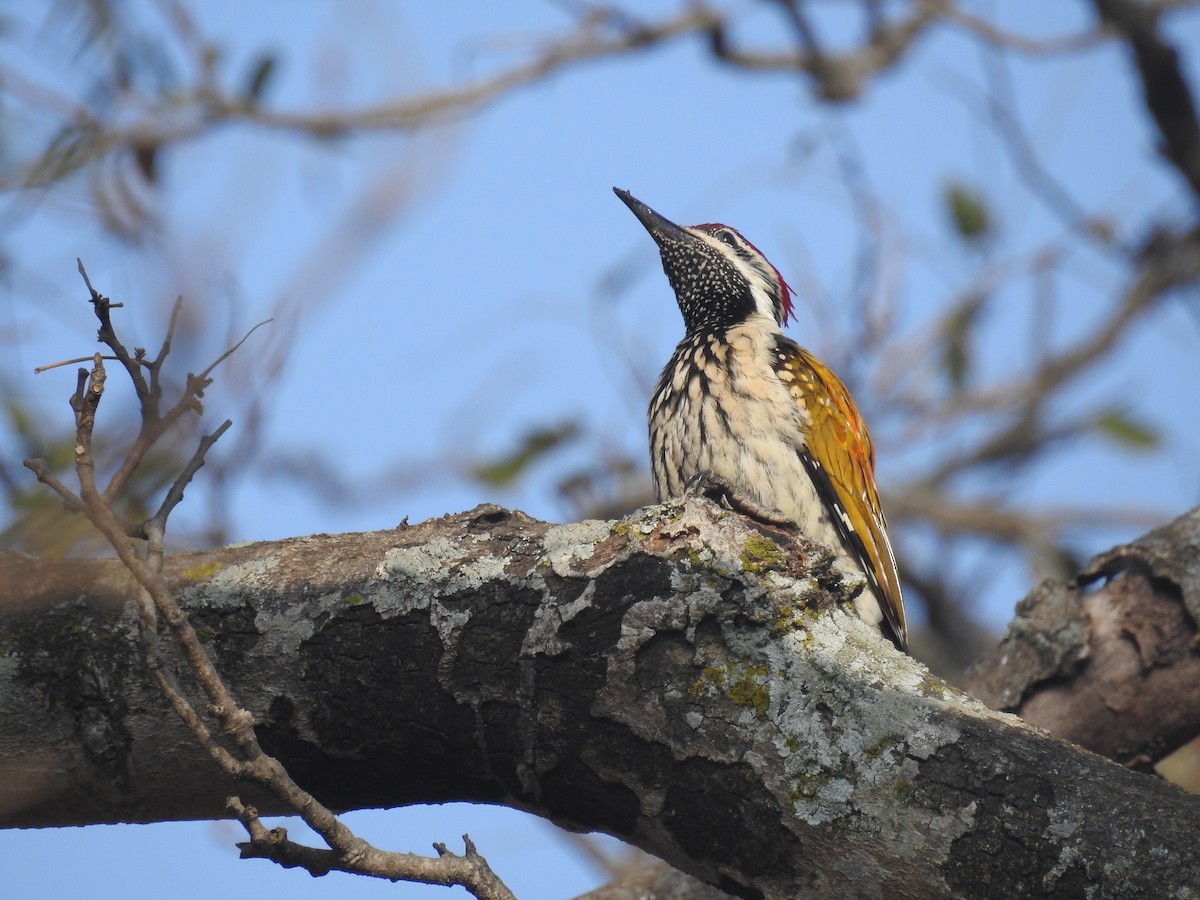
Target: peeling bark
point(1110, 661)
point(679, 679)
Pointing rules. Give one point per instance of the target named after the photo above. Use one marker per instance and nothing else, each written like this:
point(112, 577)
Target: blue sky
point(474, 308)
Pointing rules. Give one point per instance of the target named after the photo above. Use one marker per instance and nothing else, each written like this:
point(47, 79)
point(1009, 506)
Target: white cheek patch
point(760, 290)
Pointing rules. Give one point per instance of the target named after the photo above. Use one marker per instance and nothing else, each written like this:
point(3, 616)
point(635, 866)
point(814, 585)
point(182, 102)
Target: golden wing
point(841, 462)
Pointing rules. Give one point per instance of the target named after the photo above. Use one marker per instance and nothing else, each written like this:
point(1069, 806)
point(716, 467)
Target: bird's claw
point(708, 484)
point(702, 483)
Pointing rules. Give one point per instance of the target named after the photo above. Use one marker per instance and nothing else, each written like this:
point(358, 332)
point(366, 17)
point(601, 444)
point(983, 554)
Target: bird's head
point(720, 278)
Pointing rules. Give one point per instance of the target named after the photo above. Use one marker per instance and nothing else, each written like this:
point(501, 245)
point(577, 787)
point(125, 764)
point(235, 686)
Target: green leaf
point(532, 447)
point(968, 212)
point(1120, 427)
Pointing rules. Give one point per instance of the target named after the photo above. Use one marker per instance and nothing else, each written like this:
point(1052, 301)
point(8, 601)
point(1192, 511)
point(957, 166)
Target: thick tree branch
point(1111, 660)
point(650, 678)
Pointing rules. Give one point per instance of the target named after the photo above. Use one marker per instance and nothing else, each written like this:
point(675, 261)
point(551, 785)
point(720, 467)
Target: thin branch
point(1165, 89)
point(1168, 263)
point(38, 370)
point(175, 494)
point(41, 469)
point(991, 519)
point(182, 706)
point(1171, 262)
point(1011, 40)
point(203, 376)
point(1017, 439)
point(155, 527)
point(165, 349)
point(1000, 103)
point(599, 34)
point(469, 870)
point(102, 306)
point(163, 352)
point(839, 76)
point(155, 425)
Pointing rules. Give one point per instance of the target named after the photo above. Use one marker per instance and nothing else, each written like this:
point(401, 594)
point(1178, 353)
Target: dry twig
point(234, 745)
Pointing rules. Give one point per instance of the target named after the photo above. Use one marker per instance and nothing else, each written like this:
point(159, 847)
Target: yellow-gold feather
point(842, 461)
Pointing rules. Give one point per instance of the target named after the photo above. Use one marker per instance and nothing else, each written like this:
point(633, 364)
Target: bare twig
point(38, 370)
point(1011, 40)
point(838, 76)
point(203, 376)
point(102, 307)
point(153, 423)
point(446, 869)
point(41, 469)
point(154, 528)
point(990, 518)
point(235, 747)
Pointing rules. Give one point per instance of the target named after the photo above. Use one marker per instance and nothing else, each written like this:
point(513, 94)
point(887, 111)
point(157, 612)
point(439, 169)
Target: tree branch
point(1165, 88)
point(1109, 661)
point(646, 678)
point(447, 869)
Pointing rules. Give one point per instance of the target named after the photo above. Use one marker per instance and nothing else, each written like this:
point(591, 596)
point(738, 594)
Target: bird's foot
point(716, 488)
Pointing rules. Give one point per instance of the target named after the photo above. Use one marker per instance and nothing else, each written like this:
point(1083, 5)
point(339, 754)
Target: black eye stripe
point(726, 236)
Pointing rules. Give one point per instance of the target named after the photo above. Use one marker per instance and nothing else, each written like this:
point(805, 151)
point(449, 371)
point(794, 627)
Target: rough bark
point(655, 880)
point(677, 679)
point(1109, 661)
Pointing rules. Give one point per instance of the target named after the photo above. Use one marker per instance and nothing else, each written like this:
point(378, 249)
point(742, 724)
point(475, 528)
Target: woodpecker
point(741, 405)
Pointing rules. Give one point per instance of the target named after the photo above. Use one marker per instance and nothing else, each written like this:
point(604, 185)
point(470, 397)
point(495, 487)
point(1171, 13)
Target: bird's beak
point(659, 227)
